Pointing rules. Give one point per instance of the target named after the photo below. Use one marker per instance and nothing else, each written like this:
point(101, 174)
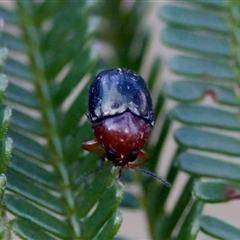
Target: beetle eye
point(132, 157)
point(111, 155)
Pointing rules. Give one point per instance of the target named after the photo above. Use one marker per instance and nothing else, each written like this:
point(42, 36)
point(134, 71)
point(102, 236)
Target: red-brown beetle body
point(121, 113)
point(122, 137)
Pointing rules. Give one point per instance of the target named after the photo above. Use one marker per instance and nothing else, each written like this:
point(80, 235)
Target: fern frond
point(207, 66)
point(49, 66)
point(6, 146)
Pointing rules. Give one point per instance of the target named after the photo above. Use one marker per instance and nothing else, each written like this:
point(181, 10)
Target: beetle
point(121, 112)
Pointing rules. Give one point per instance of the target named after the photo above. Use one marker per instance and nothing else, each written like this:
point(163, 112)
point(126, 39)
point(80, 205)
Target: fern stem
point(189, 228)
point(152, 163)
point(31, 37)
point(234, 23)
point(171, 221)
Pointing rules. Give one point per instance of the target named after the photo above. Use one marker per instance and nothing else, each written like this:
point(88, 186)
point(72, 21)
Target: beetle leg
point(120, 172)
point(94, 146)
point(141, 155)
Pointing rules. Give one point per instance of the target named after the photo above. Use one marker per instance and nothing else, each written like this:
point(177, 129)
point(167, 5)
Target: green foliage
point(5, 145)
point(208, 66)
point(218, 228)
point(49, 190)
point(54, 190)
point(127, 40)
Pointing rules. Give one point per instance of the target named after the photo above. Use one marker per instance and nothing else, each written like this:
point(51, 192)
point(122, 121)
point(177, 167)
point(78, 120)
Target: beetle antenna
point(151, 174)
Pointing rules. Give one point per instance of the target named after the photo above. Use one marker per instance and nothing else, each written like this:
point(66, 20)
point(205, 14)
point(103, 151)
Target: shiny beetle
point(121, 112)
